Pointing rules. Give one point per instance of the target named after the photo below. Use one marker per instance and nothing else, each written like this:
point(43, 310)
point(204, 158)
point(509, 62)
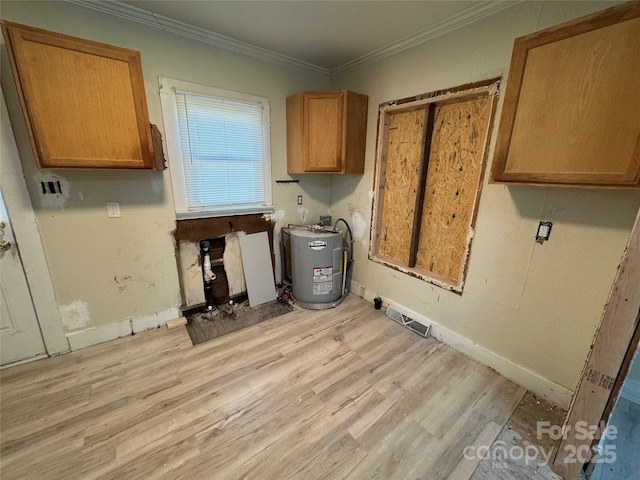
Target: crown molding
point(135, 14)
point(470, 15)
point(150, 19)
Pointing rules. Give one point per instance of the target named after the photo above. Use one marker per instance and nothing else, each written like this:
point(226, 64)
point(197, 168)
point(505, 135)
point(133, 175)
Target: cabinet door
point(571, 113)
point(84, 102)
point(323, 128)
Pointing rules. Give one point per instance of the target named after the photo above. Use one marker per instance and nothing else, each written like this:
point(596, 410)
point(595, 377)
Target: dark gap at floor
point(203, 326)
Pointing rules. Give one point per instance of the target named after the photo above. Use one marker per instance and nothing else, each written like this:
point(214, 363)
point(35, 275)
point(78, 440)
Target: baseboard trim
point(534, 382)
point(24, 360)
point(155, 320)
point(92, 336)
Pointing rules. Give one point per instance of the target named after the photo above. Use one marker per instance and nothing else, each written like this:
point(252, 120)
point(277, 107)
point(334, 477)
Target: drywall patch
point(276, 216)
point(190, 273)
point(53, 189)
point(75, 315)
point(232, 261)
point(157, 184)
point(359, 226)
point(303, 212)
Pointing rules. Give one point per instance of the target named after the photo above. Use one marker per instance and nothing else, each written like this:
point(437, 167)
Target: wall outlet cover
point(113, 209)
point(544, 230)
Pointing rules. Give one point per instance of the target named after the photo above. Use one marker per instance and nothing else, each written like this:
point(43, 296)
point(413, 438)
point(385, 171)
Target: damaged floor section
point(524, 448)
point(203, 326)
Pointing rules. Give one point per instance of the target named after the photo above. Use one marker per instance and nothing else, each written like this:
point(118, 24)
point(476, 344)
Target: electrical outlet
point(113, 209)
point(299, 199)
point(544, 230)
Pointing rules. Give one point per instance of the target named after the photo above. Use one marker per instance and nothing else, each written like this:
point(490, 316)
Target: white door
point(20, 336)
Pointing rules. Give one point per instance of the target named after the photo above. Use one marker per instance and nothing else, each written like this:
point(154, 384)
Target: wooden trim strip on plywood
point(446, 97)
point(427, 132)
point(440, 94)
point(619, 322)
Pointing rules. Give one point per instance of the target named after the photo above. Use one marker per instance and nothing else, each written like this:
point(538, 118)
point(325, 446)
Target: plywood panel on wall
point(402, 164)
point(431, 157)
point(455, 166)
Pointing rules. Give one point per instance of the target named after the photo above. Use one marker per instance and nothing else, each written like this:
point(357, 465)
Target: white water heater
point(317, 268)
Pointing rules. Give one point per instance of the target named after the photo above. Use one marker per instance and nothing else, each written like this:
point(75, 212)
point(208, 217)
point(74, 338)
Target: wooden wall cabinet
point(84, 102)
point(326, 132)
point(571, 113)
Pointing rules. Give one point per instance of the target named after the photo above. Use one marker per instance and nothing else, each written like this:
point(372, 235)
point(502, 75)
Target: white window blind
point(222, 148)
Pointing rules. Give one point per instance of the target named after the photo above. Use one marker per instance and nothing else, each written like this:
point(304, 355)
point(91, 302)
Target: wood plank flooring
point(336, 394)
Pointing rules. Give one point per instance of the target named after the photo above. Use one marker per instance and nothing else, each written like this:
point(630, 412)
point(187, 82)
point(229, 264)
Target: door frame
point(605, 367)
point(25, 229)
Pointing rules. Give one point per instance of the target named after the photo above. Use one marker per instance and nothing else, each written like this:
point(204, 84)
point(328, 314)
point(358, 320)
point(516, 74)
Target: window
point(429, 168)
point(218, 149)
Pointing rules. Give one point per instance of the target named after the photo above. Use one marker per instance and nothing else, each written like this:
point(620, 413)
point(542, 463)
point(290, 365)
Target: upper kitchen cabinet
point(83, 101)
point(326, 132)
point(571, 113)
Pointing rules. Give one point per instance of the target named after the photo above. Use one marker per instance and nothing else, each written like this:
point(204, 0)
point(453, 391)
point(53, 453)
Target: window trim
point(168, 89)
point(487, 88)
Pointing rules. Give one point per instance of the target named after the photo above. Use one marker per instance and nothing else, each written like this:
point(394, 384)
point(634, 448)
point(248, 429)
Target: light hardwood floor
point(335, 394)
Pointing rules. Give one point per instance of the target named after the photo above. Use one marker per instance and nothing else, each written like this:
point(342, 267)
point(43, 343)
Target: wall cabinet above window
point(571, 113)
point(83, 102)
point(326, 132)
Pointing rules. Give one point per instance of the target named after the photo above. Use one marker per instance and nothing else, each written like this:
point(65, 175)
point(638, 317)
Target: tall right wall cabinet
point(571, 113)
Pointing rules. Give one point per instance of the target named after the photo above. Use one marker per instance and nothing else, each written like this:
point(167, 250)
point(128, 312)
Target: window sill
point(223, 213)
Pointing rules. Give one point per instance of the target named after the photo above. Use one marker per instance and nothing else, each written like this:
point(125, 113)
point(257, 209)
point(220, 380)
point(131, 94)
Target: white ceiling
point(324, 35)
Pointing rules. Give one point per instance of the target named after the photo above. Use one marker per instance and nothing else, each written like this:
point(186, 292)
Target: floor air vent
point(411, 324)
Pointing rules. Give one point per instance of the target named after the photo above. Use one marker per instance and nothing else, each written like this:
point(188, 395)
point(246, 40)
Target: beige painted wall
point(108, 270)
point(537, 305)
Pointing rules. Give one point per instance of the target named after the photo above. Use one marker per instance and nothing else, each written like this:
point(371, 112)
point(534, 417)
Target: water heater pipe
point(351, 242)
point(344, 270)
